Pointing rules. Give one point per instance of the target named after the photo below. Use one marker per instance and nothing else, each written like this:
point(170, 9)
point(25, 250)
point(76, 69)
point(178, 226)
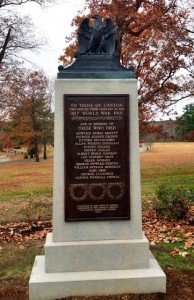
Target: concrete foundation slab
point(50, 286)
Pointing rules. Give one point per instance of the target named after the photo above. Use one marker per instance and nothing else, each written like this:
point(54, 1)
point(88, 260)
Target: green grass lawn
point(167, 163)
point(19, 258)
point(26, 177)
point(162, 252)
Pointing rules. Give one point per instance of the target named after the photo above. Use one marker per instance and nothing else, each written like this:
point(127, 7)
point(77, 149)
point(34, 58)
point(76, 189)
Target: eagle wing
point(84, 35)
point(109, 34)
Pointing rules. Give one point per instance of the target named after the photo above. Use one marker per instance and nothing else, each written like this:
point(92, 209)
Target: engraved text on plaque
point(96, 157)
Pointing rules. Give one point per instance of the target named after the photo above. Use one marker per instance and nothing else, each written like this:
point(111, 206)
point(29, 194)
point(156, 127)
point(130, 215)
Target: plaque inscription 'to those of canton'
point(96, 157)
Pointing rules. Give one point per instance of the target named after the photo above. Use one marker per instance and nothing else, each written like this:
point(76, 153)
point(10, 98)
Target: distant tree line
point(185, 124)
point(181, 129)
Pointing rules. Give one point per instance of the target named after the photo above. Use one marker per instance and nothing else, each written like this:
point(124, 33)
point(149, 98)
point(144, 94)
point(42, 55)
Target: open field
point(25, 177)
point(26, 199)
point(169, 163)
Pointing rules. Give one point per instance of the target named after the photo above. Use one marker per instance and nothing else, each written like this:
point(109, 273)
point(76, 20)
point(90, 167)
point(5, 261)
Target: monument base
point(48, 283)
point(83, 256)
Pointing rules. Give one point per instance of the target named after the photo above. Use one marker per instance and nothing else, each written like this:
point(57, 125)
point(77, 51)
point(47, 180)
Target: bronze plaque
point(96, 157)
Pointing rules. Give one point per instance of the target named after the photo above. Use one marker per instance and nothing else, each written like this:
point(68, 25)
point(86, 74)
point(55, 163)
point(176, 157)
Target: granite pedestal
point(96, 257)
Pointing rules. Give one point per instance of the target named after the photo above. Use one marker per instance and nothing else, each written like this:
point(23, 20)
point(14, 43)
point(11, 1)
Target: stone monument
point(97, 246)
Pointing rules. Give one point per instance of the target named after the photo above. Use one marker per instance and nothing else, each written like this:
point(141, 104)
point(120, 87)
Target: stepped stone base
point(83, 256)
point(95, 268)
point(50, 286)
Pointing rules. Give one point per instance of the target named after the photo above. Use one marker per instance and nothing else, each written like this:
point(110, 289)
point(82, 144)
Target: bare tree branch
point(2, 53)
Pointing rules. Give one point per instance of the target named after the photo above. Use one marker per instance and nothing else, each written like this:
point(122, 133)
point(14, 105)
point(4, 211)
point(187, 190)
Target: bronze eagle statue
point(96, 39)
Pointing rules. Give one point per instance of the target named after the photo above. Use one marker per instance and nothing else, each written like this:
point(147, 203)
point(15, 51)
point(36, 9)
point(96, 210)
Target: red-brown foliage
point(157, 38)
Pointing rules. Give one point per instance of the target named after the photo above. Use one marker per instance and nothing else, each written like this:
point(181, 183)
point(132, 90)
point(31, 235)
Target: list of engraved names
point(96, 149)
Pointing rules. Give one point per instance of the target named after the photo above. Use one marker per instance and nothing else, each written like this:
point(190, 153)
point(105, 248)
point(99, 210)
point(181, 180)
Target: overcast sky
point(55, 24)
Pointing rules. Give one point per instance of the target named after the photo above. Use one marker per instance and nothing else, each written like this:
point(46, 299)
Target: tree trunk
point(32, 153)
point(7, 38)
point(37, 157)
point(36, 150)
point(45, 156)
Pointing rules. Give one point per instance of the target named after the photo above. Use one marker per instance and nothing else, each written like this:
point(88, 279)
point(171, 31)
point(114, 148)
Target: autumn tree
point(48, 131)
point(31, 116)
point(157, 37)
point(17, 33)
point(190, 136)
point(10, 73)
point(48, 121)
point(5, 140)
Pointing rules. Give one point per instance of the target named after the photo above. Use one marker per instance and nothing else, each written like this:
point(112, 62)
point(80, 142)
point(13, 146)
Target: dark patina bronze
point(96, 157)
point(98, 38)
point(96, 56)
